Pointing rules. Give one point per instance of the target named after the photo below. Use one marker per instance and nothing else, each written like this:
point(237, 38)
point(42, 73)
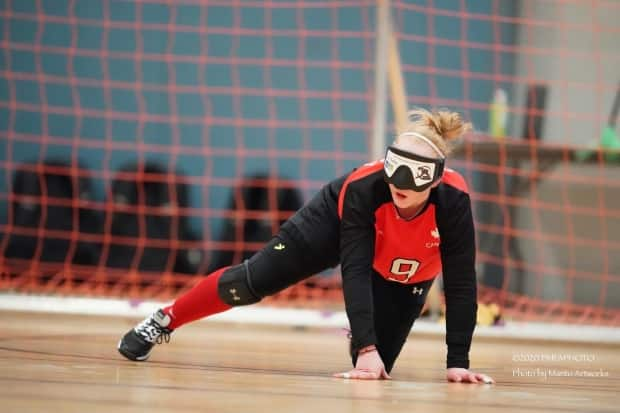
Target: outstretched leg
point(280, 264)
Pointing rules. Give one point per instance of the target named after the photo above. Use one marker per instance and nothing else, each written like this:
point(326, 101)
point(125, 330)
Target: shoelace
point(152, 332)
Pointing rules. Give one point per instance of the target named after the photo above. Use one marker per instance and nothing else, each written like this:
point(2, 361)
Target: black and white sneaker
point(137, 344)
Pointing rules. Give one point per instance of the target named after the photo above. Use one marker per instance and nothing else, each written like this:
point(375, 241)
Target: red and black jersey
point(355, 218)
point(405, 251)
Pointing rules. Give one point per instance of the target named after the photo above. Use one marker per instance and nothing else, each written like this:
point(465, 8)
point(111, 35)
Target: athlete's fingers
point(344, 375)
point(385, 375)
point(453, 377)
point(471, 377)
point(364, 375)
point(351, 374)
point(484, 378)
point(357, 374)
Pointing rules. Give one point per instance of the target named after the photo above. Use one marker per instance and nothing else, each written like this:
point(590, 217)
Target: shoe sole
point(129, 355)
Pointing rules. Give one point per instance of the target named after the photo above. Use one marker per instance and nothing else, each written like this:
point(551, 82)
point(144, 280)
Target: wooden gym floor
point(62, 363)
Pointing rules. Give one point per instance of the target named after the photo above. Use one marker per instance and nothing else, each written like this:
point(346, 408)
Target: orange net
point(144, 144)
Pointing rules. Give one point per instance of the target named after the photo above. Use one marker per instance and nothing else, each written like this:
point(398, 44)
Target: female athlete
point(393, 225)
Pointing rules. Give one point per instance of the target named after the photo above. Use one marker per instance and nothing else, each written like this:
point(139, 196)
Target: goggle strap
point(425, 139)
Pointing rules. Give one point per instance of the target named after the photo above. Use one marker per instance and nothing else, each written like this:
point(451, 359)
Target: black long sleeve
point(459, 275)
point(357, 239)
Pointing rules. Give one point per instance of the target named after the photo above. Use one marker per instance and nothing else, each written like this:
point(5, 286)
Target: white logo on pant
point(417, 290)
point(403, 269)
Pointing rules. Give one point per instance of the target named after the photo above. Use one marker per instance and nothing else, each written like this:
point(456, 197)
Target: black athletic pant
point(396, 306)
point(283, 262)
point(286, 260)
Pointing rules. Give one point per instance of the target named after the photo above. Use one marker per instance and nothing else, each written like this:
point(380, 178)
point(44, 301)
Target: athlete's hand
point(369, 366)
point(460, 375)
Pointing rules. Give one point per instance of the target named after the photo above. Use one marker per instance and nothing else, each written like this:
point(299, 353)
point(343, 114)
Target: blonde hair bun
point(442, 126)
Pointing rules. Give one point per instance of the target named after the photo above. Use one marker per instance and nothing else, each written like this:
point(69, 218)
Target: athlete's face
point(407, 199)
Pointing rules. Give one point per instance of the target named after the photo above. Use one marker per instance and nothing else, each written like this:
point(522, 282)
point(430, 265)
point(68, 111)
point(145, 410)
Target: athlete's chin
point(404, 203)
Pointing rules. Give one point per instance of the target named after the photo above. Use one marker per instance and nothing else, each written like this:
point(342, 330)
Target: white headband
point(425, 139)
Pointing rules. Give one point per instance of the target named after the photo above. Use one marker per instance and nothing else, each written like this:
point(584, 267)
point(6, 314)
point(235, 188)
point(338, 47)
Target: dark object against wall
point(162, 192)
point(536, 104)
point(48, 197)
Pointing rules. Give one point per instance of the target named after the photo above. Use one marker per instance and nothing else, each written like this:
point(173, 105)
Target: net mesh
point(146, 143)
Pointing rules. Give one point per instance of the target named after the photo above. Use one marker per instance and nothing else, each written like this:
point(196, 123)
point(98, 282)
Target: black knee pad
point(234, 286)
